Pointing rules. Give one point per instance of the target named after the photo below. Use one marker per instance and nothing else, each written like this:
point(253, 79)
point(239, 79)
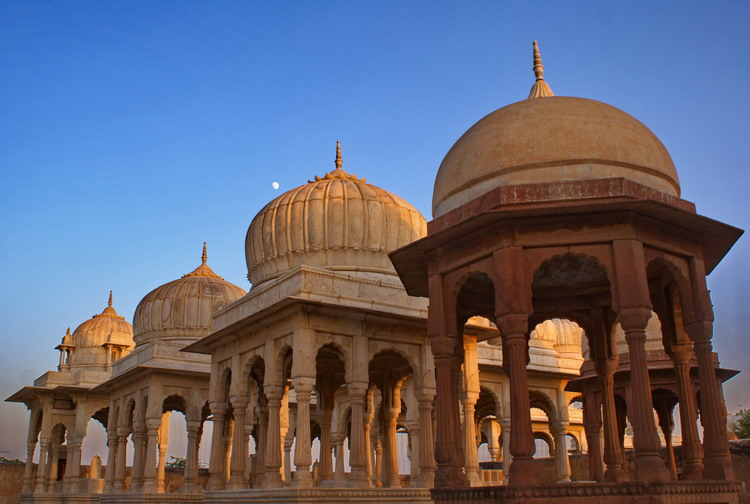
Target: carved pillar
point(109, 475)
point(226, 443)
point(72, 466)
point(505, 433)
point(191, 458)
point(260, 452)
point(273, 439)
point(606, 368)
point(593, 426)
point(163, 443)
point(239, 446)
point(664, 408)
point(427, 442)
point(303, 387)
point(444, 345)
point(562, 462)
point(717, 463)
point(149, 465)
point(692, 452)
point(41, 471)
point(378, 463)
point(471, 395)
point(122, 447)
point(339, 475)
point(138, 438)
point(391, 412)
point(216, 479)
point(649, 466)
point(52, 468)
point(358, 454)
point(28, 473)
point(523, 470)
point(493, 441)
point(326, 463)
point(415, 441)
point(369, 416)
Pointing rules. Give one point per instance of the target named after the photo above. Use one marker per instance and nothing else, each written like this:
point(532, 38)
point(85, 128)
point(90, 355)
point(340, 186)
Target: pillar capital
point(152, 424)
point(193, 426)
point(303, 384)
point(606, 367)
point(218, 407)
point(357, 389)
point(273, 392)
point(512, 325)
point(634, 318)
point(700, 332)
point(238, 402)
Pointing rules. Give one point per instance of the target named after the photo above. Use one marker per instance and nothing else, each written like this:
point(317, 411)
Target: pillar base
point(523, 471)
point(272, 480)
point(302, 479)
point(358, 483)
point(615, 475)
point(651, 469)
point(450, 477)
point(718, 468)
point(692, 472)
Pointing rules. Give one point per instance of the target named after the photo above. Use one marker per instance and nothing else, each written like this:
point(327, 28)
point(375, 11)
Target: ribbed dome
point(551, 139)
point(182, 309)
point(336, 221)
point(89, 337)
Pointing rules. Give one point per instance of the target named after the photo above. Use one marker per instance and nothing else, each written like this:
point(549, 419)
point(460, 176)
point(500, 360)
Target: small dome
point(336, 221)
point(89, 337)
point(182, 309)
point(549, 138)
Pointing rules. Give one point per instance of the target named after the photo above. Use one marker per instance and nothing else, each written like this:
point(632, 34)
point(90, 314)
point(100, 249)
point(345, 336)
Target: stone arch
point(487, 404)
point(574, 444)
point(473, 295)
point(330, 342)
point(413, 362)
point(540, 400)
point(547, 438)
point(671, 296)
point(252, 374)
point(174, 402)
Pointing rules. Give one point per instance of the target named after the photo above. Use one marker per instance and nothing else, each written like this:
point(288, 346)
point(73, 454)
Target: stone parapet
point(327, 495)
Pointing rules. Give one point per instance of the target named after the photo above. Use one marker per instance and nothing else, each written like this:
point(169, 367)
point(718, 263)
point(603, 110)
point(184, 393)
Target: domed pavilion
point(567, 208)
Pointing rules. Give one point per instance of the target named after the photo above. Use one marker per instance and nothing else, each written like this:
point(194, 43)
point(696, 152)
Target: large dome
point(182, 309)
point(105, 327)
point(335, 221)
point(549, 138)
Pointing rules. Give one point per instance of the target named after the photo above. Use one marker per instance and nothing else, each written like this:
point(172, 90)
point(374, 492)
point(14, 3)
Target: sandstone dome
point(549, 138)
point(336, 221)
point(105, 327)
point(182, 309)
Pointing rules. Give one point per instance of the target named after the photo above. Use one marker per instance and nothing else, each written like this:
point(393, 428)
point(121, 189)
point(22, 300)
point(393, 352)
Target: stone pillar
point(692, 452)
point(72, 466)
point(41, 471)
point(273, 439)
point(191, 458)
point(216, 479)
point(149, 465)
point(109, 475)
point(378, 463)
point(717, 463)
point(358, 455)
point(138, 438)
point(163, 444)
point(339, 476)
point(505, 432)
point(369, 416)
point(260, 452)
point(52, 468)
point(414, 451)
point(523, 469)
point(239, 446)
point(28, 472)
point(427, 442)
point(493, 441)
point(326, 464)
point(649, 466)
point(303, 387)
point(471, 464)
point(664, 414)
point(122, 447)
point(288, 442)
point(391, 413)
point(592, 425)
point(226, 443)
point(562, 462)
point(606, 368)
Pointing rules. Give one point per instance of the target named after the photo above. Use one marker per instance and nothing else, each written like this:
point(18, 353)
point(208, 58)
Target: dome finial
point(204, 257)
point(540, 89)
point(339, 161)
point(109, 303)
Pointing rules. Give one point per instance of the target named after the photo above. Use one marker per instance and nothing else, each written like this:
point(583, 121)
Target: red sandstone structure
point(557, 207)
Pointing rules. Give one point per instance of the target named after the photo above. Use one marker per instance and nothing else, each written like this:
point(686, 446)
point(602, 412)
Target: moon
point(275, 185)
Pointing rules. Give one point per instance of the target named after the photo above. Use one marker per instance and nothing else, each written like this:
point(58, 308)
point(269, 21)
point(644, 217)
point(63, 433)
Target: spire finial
point(67, 333)
point(339, 161)
point(204, 257)
point(110, 299)
point(540, 89)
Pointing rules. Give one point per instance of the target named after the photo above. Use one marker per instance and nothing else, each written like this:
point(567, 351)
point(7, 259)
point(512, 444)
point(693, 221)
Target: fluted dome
point(89, 337)
point(182, 309)
point(334, 221)
point(549, 138)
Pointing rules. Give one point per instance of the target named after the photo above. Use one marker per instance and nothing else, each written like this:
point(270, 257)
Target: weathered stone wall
point(740, 450)
point(11, 479)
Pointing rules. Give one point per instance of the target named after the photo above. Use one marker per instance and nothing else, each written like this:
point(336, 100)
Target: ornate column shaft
point(378, 463)
point(391, 413)
point(326, 462)
point(163, 444)
point(28, 472)
point(358, 454)
point(138, 438)
point(523, 469)
point(122, 447)
point(216, 465)
point(717, 463)
point(109, 475)
point(592, 427)
point(339, 475)
point(471, 464)
point(303, 455)
point(149, 464)
point(52, 468)
point(649, 466)
point(239, 446)
point(427, 443)
point(273, 439)
point(605, 368)
point(505, 433)
point(191, 457)
point(41, 471)
point(692, 451)
point(562, 462)
point(260, 452)
point(72, 467)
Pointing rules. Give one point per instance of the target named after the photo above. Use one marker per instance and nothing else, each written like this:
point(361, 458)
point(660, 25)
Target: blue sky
point(131, 132)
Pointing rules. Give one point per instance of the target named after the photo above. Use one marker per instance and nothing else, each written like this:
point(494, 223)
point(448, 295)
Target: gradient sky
point(131, 132)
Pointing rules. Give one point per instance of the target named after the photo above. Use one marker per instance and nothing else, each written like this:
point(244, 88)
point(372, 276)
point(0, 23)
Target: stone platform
point(319, 495)
point(677, 492)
